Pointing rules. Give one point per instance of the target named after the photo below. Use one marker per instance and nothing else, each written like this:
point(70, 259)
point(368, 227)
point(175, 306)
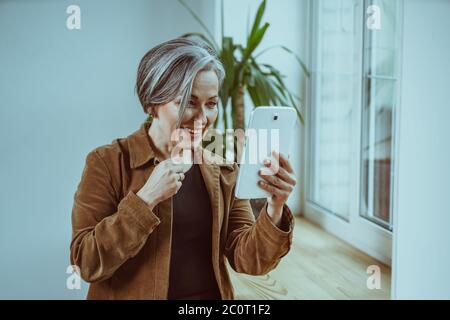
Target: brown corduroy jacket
point(123, 248)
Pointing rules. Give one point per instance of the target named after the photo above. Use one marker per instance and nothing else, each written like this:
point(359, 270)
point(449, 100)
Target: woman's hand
point(279, 181)
point(164, 182)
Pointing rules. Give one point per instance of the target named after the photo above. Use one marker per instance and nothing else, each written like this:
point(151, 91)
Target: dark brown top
point(191, 269)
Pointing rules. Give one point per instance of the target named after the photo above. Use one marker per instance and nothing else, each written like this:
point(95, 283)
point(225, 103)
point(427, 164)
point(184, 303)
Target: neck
point(161, 142)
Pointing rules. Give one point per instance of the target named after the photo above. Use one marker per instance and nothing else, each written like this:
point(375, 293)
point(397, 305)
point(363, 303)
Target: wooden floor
point(319, 266)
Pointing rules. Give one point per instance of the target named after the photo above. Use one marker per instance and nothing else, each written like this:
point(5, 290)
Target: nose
point(201, 116)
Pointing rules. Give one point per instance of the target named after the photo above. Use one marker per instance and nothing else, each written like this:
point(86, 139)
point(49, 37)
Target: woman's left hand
point(279, 180)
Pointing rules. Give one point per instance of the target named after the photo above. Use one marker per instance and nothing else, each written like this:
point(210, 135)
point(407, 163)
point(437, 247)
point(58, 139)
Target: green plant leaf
point(254, 41)
point(200, 21)
point(297, 58)
point(294, 105)
point(228, 62)
point(263, 82)
point(257, 21)
point(284, 96)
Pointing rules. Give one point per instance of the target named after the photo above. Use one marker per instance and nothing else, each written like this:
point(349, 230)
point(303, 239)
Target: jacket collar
point(139, 146)
point(141, 152)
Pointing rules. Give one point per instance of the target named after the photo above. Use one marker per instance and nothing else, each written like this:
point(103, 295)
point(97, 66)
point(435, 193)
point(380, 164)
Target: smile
point(192, 131)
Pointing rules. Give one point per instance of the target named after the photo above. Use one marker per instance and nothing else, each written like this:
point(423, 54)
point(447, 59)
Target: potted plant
point(244, 74)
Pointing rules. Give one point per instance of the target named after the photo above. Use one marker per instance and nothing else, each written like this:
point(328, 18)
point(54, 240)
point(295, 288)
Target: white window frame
point(358, 231)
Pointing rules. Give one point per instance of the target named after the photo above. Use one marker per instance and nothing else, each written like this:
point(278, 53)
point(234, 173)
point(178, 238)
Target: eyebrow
point(195, 97)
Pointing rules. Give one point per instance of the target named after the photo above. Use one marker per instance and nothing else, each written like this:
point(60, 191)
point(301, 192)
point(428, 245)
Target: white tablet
point(269, 128)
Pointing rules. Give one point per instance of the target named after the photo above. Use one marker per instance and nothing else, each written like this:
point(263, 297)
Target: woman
point(148, 227)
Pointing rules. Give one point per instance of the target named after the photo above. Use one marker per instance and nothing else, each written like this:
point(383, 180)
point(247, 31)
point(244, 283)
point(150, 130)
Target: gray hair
point(169, 69)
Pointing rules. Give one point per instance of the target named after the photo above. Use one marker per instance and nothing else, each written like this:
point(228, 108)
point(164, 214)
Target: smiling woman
point(179, 79)
point(148, 227)
point(197, 116)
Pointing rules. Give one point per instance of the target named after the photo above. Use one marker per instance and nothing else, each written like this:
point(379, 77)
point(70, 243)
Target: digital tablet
point(270, 128)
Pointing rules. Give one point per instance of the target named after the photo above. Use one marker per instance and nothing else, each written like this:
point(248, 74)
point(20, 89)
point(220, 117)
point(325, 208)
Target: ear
point(152, 110)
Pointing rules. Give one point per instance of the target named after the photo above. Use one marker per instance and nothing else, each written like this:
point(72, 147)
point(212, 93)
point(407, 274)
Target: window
point(351, 121)
point(379, 100)
point(335, 76)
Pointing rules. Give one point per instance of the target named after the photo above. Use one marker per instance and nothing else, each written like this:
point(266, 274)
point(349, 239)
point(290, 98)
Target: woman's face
point(199, 114)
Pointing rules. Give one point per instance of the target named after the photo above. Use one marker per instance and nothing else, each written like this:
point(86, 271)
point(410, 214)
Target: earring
point(150, 112)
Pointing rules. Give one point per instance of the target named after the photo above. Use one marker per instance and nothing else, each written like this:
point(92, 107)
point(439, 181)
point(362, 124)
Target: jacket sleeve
point(106, 232)
point(256, 247)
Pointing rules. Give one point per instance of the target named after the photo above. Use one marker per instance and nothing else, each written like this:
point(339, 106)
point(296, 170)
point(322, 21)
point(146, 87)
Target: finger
point(276, 181)
point(180, 165)
point(284, 162)
point(274, 191)
point(177, 161)
point(286, 176)
point(177, 167)
point(273, 164)
point(179, 176)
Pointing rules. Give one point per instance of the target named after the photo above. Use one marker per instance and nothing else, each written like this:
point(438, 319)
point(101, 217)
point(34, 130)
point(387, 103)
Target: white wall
point(63, 93)
point(288, 27)
point(421, 258)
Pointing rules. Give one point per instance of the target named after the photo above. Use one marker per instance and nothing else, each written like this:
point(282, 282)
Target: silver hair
point(169, 69)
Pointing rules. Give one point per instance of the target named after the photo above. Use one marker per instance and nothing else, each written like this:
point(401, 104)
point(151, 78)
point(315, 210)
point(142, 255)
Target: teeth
point(193, 131)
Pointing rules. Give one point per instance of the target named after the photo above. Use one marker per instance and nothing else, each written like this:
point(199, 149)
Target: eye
point(191, 104)
point(212, 104)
